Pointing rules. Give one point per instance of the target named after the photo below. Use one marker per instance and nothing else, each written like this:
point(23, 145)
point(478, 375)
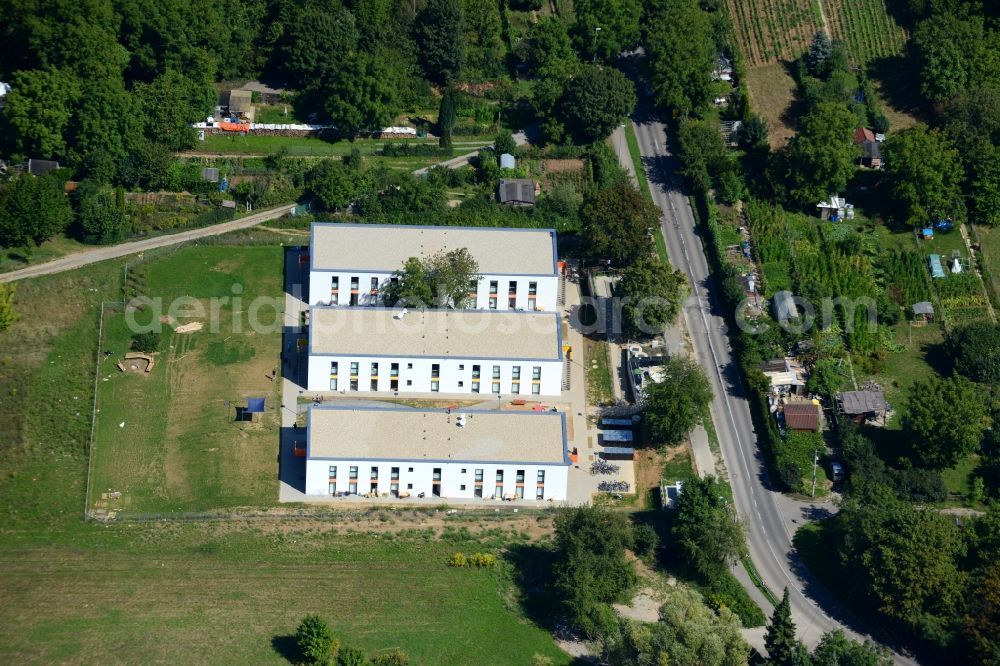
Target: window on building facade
point(536, 372)
point(536, 389)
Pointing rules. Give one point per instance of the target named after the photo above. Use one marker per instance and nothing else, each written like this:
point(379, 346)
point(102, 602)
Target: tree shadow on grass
point(534, 569)
point(287, 648)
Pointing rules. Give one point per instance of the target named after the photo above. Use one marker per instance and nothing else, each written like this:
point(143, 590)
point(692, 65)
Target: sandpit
point(189, 328)
point(136, 362)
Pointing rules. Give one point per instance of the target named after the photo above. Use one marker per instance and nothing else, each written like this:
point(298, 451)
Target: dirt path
point(78, 259)
point(822, 18)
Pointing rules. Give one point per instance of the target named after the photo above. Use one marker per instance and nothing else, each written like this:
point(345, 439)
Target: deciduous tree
point(595, 101)
point(362, 94)
point(438, 33)
point(316, 641)
point(975, 349)
point(672, 407)
point(822, 157)
point(707, 537)
point(32, 210)
point(38, 111)
point(924, 174)
point(680, 54)
point(945, 418)
point(617, 222)
point(591, 570)
point(652, 293)
point(605, 28)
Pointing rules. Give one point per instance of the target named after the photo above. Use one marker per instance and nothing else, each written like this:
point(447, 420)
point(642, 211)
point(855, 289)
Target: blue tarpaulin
point(255, 405)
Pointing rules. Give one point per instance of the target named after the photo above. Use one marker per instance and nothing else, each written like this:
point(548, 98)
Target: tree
point(688, 632)
point(447, 113)
point(482, 35)
point(450, 275)
point(333, 184)
point(945, 418)
point(752, 133)
point(651, 293)
point(680, 55)
point(148, 342)
point(438, 33)
point(975, 350)
point(102, 217)
point(147, 165)
point(819, 53)
point(351, 656)
point(674, 406)
point(441, 280)
point(904, 557)
point(984, 188)
point(315, 640)
point(170, 104)
point(822, 157)
point(547, 49)
point(591, 570)
point(38, 111)
point(708, 539)
point(703, 153)
point(595, 101)
point(32, 210)
point(924, 174)
point(605, 28)
point(315, 43)
point(7, 314)
point(836, 649)
point(981, 629)
point(946, 48)
point(362, 94)
point(504, 143)
point(617, 222)
point(780, 637)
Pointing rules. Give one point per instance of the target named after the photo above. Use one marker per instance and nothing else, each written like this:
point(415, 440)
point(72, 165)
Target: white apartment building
point(349, 264)
point(356, 349)
point(453, 455)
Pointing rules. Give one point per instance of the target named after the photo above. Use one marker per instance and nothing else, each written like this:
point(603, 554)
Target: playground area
point(193, 425)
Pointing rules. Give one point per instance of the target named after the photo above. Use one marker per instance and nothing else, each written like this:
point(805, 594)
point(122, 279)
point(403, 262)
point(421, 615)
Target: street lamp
point(597, 29)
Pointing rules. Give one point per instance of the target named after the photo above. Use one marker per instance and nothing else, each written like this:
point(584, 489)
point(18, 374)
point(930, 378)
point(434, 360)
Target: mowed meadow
point(167, 440)
point(221, 591)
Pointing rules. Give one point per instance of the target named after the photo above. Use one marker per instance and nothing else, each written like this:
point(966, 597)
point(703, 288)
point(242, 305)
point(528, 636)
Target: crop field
point(166, 439)
point(866, 27)
point(770, 31)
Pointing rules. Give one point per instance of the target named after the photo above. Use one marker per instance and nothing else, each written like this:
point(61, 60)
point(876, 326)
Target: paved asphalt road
point(814, 611)
point(69, 262)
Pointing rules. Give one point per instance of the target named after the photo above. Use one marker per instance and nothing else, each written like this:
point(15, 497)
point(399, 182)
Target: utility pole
point(815, 460)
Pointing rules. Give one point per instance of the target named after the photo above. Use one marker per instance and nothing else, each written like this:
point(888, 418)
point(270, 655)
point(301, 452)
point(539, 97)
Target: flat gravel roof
point(386, 247)
point(490, 334)
point(373, 433)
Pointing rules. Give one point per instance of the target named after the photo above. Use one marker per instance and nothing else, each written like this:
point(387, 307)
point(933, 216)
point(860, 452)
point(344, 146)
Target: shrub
point(484, 560)
point(458, 560)
point(351, 656)
point(392, 658)
point(726, 591)
point(644, 540)
point(315, 640)
point(146, 342)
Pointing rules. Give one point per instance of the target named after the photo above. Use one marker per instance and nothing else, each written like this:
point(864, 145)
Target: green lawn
point(179, 448)
point(55, 247)
point(196, 593)
point(208, 592)
point(640, 174)
point(255, 144)
point(599, 388)
point(990, 252)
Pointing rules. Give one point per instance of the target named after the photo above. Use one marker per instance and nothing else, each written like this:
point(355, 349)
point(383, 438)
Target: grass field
point(599, 388)
point(209, 592)
point(772, 96)
point(57, 246)
point(179, 448)
point(989, 239)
